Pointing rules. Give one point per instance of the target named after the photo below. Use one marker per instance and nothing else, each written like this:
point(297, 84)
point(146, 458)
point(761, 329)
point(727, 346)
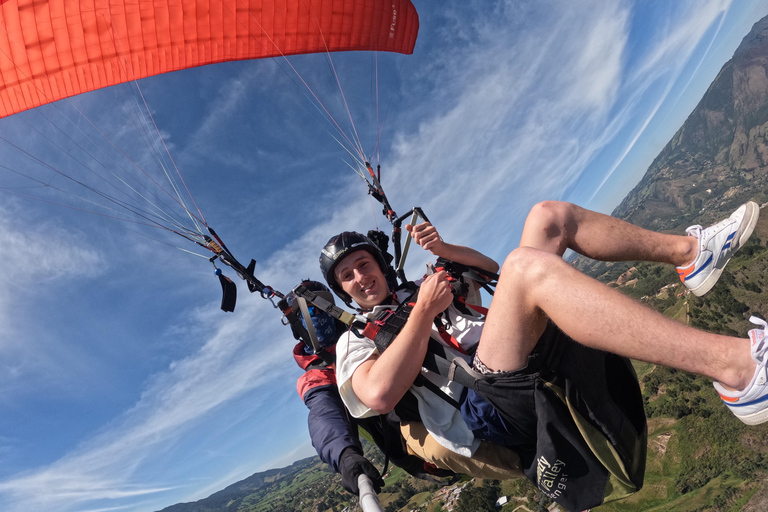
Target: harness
point(305, 333)
point(385, 325)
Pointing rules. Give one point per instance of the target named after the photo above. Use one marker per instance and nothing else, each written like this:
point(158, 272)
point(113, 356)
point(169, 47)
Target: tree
point(478, 499)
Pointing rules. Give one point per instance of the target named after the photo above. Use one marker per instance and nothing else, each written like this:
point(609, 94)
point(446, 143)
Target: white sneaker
point(751, 404)
point(716, 246)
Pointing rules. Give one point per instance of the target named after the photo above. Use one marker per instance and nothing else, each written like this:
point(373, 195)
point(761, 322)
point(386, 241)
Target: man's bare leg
point(555, 226)
point(536, 285)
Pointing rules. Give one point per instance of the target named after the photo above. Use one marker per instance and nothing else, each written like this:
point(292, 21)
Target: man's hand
point(435, 294)
point(352, 465)
point(427, 237)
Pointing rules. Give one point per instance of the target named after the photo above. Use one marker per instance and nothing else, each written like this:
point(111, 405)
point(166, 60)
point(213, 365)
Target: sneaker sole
point(742, 234)
point(755, 418)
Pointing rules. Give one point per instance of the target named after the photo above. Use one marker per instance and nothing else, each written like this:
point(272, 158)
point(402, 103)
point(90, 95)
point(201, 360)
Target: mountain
point(257, 487)
point(719, 157)
point(700, 457)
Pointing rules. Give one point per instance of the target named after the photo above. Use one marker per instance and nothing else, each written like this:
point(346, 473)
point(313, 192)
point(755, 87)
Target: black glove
point(352, 465)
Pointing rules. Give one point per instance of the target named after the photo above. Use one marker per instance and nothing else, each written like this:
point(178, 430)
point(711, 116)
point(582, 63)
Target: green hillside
point(700, 457)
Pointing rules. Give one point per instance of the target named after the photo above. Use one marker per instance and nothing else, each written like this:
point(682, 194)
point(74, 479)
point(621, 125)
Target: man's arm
point(329, 426)
point(382, 380)
point(426, 236)
point(335, 438)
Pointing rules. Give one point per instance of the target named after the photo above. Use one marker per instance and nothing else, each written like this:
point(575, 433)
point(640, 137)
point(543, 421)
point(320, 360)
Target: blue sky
point(126, 388)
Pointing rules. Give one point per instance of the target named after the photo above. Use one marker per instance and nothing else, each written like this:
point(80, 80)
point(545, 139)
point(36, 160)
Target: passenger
point(334, 433)
point(550, 334)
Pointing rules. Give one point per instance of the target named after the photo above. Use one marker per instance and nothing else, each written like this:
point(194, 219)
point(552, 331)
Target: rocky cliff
point(719, 157)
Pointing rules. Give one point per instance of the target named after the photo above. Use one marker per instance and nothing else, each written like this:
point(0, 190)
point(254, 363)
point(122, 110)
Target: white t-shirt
point(440, 418)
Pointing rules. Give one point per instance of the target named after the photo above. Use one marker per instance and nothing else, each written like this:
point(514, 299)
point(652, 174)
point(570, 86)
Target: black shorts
point(599, 377)
point(500, 407)
point(568, 400)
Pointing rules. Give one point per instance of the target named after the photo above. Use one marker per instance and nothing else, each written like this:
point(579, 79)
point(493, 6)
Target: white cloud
point(45, 251)
point(227, 100)
point(664, 62)
point(300, 451)
point(598, 70)
point(229, 364)
point(678, 42)
point(515, 118)
point(39, 257)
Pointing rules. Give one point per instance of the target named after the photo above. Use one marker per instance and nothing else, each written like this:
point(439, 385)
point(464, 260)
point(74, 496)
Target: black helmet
point(338, 247)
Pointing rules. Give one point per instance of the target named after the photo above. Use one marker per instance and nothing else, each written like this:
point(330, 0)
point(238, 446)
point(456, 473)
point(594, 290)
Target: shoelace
point(694, 231)
point(758, 352)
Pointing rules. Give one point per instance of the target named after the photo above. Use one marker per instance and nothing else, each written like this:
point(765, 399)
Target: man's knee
point(489, 461)
point(526, 265)
point(420, 443)
point(551, 225)
point(556, 214)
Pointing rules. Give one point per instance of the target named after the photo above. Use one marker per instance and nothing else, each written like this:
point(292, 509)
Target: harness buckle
point(372, 327)
point(386, 314)
point(370, 330)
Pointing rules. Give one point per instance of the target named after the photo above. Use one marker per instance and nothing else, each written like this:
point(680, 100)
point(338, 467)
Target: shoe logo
point(756, 335)
point(705, 265)
point(728, 242)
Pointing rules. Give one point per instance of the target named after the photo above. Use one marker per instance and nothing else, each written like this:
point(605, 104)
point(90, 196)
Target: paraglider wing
point(59, 48)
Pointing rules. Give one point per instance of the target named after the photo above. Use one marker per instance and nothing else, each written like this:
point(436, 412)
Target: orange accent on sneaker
point(685, 272)
point(728, 398)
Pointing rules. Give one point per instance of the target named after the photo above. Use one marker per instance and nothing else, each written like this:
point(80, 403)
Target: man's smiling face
point(360, 276)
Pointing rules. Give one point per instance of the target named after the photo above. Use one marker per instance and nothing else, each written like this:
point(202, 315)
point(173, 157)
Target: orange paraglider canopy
point(54, 49)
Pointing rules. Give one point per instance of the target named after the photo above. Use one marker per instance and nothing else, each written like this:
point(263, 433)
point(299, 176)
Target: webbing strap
point(486, 279)
point(421, 380)
point(455, 370)
point(401, 263)
point(480, 309)
point(450, 340)
point(333, 310)
point(303, 334)
point(309, 325)
point(387, 325)
point(228, 293)
point(293, 320)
